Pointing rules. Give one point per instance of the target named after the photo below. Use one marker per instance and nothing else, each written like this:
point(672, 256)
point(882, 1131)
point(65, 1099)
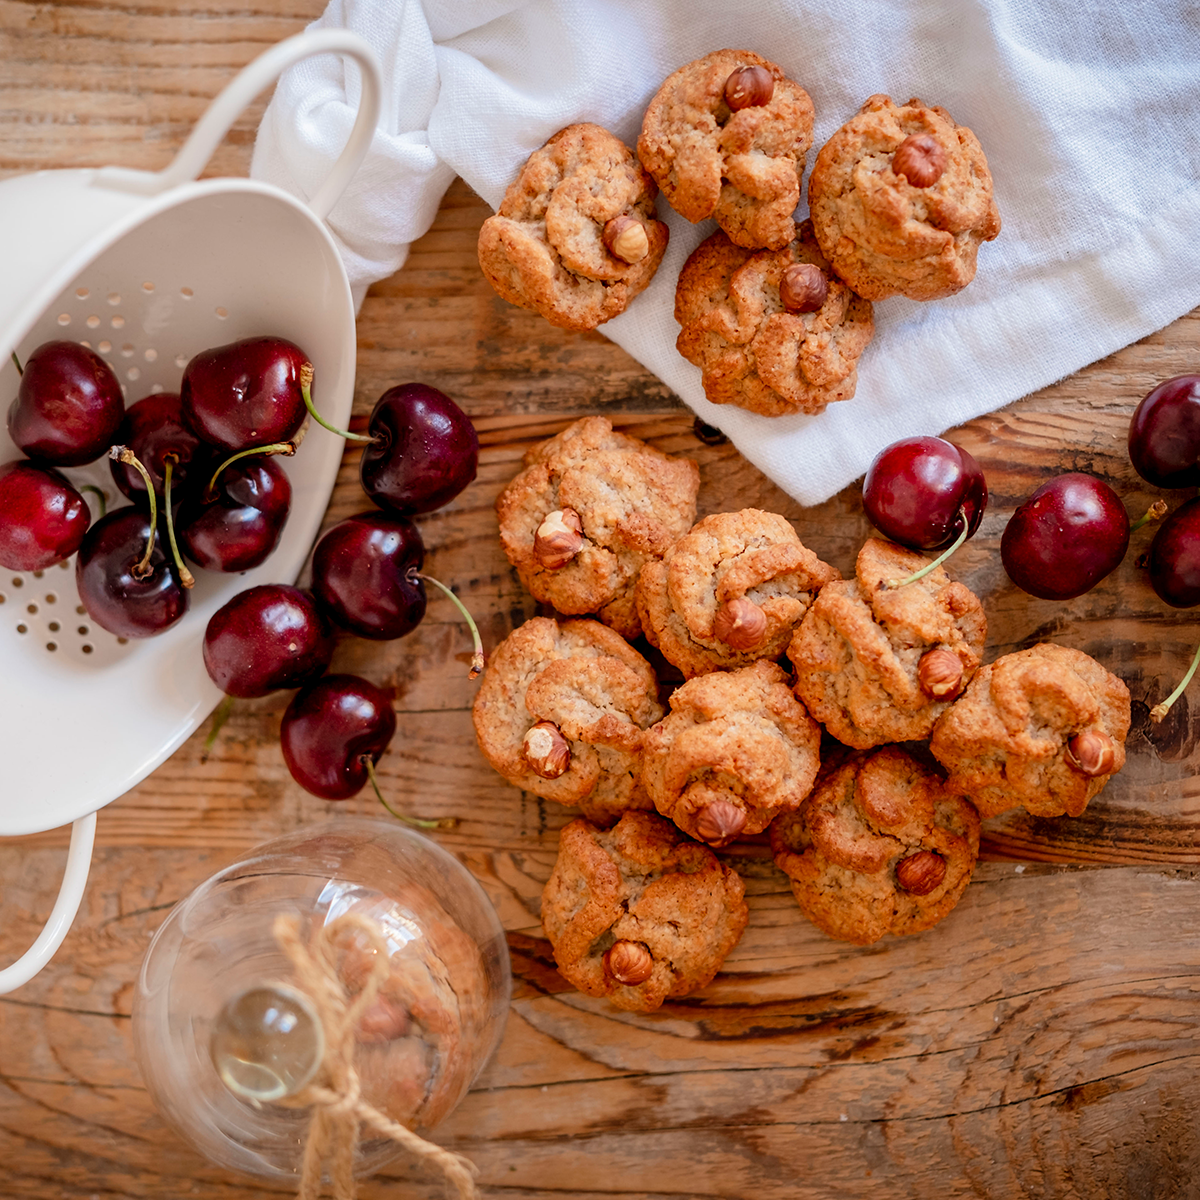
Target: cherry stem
point(1155, 512)
point(287, 449)
point(220, 716)
point(417, 822)
point(100, 496)
point(185, 576)
point(937, 562)
point(17, 363)
point(124, 455)
point(306, 378)
point(1161, 709)
point(477, 656)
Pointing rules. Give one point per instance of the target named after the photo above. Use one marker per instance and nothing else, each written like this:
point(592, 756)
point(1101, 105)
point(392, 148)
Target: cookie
point(730, 591)
point(589, 509)
point(772, 331)
point(576, 237)
point(562, 711)
point(735, 751)
point(878, 664)
point(726, 137)
point(881, 847)
point(639, 913)
point(1041, 729)
point(900, 199)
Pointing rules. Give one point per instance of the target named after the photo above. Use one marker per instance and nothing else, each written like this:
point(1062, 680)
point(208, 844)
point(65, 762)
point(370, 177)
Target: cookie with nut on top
point(726, 137)
point(901, 199)
point(576, 236)
point(639, 913)
point(880, 847)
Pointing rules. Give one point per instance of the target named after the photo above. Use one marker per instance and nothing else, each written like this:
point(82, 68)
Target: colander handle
point(211, 129)
point(70, 893)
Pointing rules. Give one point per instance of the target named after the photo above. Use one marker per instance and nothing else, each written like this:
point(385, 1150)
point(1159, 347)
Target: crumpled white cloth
point(1088, 112)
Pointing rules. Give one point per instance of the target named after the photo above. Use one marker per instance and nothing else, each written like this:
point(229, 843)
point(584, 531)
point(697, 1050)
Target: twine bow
point(335, 1095)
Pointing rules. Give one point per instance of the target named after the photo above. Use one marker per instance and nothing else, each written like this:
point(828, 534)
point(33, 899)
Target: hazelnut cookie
point(735, 751)
point(730, 591)
point(772, 331)
point(876, 663)
point(562, 711)
point(575, 237)
point(639, 913)
point(901, 198)
point(725, 137)
point(1041, 729)
point(590, 507)
point(880, 847)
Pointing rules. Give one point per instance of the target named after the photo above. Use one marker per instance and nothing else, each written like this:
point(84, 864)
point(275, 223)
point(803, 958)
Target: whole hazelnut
point(803, 288)
point(920, 873)
point(749, 87)
point(546, 750)
point(1092, 752)
point(558, 539)
point(940, 673)
point(625, 238)
point(921, 159)
point(719, 822)
point(628, 962)
point(740, 624)
point(383, 1020)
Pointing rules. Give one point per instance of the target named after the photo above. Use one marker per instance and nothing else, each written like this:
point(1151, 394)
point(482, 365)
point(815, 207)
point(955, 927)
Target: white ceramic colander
point(149, 268)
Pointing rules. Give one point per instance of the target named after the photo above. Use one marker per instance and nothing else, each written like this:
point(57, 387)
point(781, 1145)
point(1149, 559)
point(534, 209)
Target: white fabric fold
point(1087, 112)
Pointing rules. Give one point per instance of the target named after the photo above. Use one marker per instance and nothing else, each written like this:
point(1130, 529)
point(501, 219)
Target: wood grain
point(1041, 1042)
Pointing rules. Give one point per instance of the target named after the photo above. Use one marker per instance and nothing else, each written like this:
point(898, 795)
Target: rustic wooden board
point(1041, 1042)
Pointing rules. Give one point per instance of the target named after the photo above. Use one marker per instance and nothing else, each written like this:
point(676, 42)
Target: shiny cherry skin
point(1174, 560)
point(1067, 536)
point(42, 517)
point(115, 598)
point(268, 637)
point(245, 394)
point(365, 575)
point(919, 490)
point(68, 405)
point(425, 450)
point(1164, 434)
point(241, 526)
point(330, 729)
point(153, 428)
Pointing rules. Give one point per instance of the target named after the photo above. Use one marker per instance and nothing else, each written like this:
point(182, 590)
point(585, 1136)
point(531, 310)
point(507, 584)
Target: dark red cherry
point(1175, 557)
point(68, 405)
point(109, 569)
point(153, 428)
point(268, 637)
point(365, 575)
point(1164, 434)
point(920, 491)
point(42, 517)
point(425, 450)
point(248, 393)
point(331, 729)
point(241, 526)
point(1067, 536)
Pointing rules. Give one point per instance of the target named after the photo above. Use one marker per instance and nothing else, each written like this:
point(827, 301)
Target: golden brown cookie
point(562, 711)
point(730, 591)
point(900, 199)
point(1041, 729)
point(725, 137)
point(772, 331)
point(639, 913)
point(735, 751)
point(880, 847)
point(590, 507)
point(878, 664)
point(575, 237)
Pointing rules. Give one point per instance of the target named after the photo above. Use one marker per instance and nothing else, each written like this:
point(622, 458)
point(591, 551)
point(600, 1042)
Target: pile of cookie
point(868, 765)
point(775, 313)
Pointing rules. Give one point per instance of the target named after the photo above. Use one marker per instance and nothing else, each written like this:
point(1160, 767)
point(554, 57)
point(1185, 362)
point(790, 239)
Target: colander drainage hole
point(51, 598)
point(86, 648)
point(82, 293)
point(31, 609)
point(64, 318)
point(18, 582)
point(147, 286)
point(51, 645)
point(54, 626)
point(22, 628)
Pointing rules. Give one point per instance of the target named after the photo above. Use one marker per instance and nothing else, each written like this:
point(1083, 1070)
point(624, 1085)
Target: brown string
point(335, 1095)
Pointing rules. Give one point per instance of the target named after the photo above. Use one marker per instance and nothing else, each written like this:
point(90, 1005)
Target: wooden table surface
point(1041, 1042)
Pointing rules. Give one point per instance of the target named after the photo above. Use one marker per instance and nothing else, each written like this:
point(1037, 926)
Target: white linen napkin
point(1088, 114)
